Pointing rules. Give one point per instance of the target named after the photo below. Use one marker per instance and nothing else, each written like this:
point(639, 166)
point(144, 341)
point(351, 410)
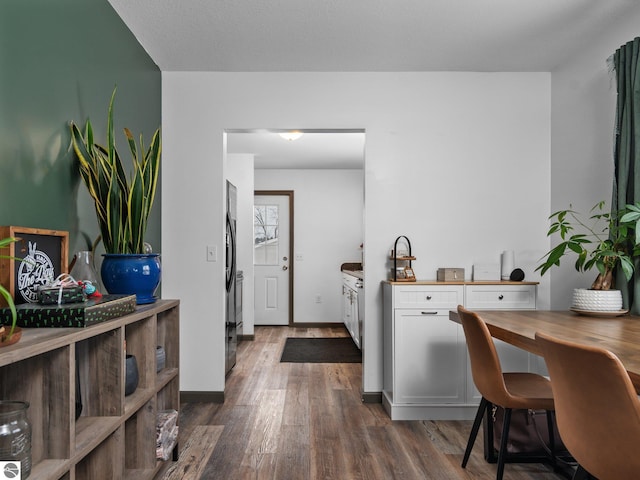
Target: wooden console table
point(115, 437)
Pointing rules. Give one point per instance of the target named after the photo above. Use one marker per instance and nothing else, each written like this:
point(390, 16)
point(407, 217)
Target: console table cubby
point(115, 435)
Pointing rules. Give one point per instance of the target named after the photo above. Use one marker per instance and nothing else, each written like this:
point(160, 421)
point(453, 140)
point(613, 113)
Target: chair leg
point(581, 474)
point(474, 430)
point(552, 442)
point(502, 454)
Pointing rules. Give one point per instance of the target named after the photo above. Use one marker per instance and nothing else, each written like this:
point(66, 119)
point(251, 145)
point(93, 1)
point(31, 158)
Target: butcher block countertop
point(354, 269)
point(461, 282)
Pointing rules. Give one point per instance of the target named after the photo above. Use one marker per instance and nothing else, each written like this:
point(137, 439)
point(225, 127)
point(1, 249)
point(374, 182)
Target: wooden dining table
point(618, 334)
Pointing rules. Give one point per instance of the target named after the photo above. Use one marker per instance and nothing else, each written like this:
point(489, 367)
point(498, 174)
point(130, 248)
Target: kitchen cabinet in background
point(352, 288)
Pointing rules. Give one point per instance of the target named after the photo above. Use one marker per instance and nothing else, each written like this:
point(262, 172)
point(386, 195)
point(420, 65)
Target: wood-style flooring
point(307, 421)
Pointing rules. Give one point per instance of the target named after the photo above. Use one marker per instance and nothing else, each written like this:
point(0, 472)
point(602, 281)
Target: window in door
point(265, 234)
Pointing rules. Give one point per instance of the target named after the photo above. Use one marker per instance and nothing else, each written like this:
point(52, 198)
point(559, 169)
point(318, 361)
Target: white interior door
point(271, 259)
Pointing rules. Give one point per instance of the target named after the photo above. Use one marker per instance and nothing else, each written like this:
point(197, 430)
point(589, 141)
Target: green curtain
point(626, 150)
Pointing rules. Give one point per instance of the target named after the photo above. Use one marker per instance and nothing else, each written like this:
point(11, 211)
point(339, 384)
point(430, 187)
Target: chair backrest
point(485, 363)
point(597, 408)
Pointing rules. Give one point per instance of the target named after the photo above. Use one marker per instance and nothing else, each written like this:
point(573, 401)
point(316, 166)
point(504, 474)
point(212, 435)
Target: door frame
point(288, 193)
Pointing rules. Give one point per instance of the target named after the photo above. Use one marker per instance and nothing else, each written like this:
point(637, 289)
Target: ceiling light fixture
point(292, 135)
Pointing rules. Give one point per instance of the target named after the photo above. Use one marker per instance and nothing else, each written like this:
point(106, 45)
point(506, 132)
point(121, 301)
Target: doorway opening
point(325, 169)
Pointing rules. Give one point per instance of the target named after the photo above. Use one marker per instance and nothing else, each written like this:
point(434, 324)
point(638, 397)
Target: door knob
point(284, 267)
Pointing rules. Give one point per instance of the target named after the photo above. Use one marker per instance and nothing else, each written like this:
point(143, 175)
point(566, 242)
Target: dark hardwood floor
point(307, 421)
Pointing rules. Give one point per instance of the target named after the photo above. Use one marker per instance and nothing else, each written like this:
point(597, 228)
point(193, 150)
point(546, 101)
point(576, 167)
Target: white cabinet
point(424, 352)
point(480, 297)
point(347, 306)
point(351, 288)
point(427, 375)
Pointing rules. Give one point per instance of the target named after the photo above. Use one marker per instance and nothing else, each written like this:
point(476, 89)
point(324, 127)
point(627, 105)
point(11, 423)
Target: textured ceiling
point(359, 35)
point(365, 35)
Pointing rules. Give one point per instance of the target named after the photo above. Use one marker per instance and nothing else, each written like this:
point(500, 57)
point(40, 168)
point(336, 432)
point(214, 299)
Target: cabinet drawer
point(500, 297)
point(429, 296)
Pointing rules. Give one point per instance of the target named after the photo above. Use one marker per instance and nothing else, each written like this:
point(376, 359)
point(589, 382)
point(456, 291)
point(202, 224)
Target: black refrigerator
point(230, 271)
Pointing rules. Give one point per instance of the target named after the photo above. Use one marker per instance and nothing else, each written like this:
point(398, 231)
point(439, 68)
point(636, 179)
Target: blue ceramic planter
point(132, 273)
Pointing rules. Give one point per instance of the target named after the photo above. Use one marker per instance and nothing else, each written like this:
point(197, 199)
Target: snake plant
point(122, 206)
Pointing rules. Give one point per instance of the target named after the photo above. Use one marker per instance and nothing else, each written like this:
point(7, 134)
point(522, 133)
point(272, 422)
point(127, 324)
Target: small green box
point(82, 314)
point(54, 296)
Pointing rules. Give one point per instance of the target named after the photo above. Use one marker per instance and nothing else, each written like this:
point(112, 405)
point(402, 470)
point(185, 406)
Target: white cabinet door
point(429, 359)
point(346, 306)
point(355, 328)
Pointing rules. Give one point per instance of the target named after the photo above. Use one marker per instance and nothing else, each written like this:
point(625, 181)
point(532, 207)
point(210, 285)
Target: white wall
point(328, 232)
point(240, 173)
point(583, 112)
point(458, 162)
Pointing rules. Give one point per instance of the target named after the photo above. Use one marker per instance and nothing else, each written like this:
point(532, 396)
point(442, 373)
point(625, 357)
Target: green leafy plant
point(603, 240)
point(122, 206)
point(4, 243)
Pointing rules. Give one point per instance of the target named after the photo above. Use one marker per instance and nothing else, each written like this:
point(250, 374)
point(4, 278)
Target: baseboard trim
point(317, 325)
point(372, 397)
point(201, 397)
point(243, 338)
point(428, 411)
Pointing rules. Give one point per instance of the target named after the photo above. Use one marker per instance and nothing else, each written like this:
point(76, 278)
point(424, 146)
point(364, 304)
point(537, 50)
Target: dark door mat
point(321, 350)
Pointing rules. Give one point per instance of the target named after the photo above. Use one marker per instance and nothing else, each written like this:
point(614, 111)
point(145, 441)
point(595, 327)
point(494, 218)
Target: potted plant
point(604, 240)
point(122, 205)
point(14, 333)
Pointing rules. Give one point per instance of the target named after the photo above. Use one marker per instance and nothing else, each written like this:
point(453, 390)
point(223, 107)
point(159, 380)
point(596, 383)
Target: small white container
point(508, 264)
point(486, 272)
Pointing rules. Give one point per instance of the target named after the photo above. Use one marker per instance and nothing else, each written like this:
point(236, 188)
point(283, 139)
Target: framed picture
point(408, 273)
point(44, 255)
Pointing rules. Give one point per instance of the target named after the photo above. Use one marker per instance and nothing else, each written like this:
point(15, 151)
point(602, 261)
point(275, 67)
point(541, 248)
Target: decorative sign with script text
point(42, 257)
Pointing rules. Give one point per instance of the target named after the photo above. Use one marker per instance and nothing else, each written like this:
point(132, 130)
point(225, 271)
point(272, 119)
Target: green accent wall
point(59, 61)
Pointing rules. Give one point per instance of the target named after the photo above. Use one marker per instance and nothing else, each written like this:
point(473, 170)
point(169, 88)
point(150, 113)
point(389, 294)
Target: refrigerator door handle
point(232, 245)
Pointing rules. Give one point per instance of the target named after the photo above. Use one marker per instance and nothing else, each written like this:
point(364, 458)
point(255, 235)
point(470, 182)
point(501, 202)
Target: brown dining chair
point(597, 408)
point(508, 390)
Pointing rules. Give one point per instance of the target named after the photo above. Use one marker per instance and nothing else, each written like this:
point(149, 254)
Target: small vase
point(15, 439)
point(131, 375)
point(83, 269)
point(161, 358)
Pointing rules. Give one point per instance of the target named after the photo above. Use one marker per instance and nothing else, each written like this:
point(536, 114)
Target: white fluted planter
point(597, 300)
